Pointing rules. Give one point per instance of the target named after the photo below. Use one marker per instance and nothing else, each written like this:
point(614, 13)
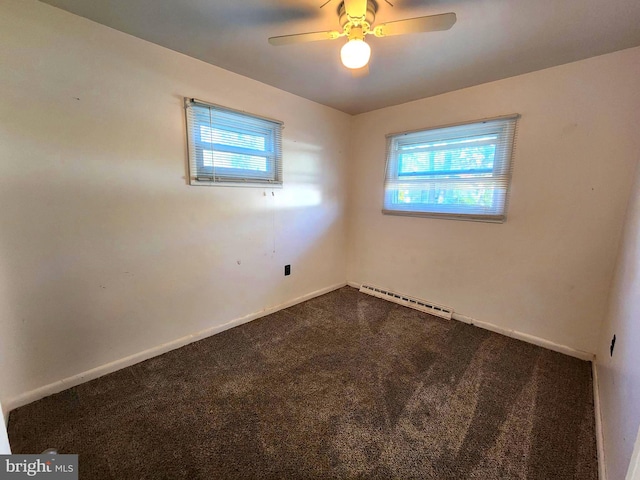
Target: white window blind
point(227, 147)
point(456, 172)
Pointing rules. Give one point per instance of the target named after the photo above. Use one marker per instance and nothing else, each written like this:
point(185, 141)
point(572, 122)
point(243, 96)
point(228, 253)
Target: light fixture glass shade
point(355, 53)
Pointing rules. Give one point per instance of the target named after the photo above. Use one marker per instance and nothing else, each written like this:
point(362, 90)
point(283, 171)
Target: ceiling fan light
point(355, 53)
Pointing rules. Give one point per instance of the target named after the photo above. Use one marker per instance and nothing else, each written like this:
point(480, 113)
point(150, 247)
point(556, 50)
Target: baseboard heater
point(415, 303)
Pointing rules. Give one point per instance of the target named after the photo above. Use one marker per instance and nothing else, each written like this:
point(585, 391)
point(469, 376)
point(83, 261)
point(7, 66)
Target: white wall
point(619, 375)
point(633, 473)
point(546, 271)
point(105, 251)
point(5, 449)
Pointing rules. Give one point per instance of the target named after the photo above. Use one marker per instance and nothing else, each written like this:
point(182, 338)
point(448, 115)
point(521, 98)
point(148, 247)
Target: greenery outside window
point(458, 172)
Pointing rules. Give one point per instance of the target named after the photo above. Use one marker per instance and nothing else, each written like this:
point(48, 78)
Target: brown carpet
point(342, 386)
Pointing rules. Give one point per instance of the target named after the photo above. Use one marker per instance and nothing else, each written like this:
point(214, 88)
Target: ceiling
point(492, 39)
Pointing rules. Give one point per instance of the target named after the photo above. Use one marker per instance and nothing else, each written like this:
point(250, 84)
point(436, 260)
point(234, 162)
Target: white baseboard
point(525, 337)
point(602, 472)
point(102, 370)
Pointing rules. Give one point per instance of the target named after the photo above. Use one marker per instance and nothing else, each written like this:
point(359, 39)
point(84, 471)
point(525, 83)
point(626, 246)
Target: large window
point(227, 147)
point(461, 172)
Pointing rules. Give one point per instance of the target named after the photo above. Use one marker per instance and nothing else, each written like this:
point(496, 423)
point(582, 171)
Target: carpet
point(343, 386)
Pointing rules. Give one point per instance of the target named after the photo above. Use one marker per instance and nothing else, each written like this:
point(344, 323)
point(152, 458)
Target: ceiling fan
point(356, 18)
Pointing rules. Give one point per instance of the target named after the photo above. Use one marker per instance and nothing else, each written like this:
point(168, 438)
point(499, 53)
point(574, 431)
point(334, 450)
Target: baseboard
point(525, 337)
point(602, 471)
point(102, 370)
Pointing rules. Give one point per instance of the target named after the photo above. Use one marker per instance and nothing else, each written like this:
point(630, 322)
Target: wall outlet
point(287, 270)
point(613, 344)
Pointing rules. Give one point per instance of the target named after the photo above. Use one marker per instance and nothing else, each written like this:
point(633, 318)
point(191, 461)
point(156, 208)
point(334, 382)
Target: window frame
point(503, 128)
point(252, 125)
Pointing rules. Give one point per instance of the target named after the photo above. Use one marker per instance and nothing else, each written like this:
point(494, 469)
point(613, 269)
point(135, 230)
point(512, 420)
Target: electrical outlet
point(613, 344)
point(287, 270)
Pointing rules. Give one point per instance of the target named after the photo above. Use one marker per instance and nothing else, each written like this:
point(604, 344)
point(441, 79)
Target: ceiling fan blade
point(360, 72)
point(355, 8)
point(431, 23)
point(303, 38)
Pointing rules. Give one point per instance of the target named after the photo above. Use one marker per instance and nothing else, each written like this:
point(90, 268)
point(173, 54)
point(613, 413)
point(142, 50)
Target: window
point(459, 172)
point(227, 147)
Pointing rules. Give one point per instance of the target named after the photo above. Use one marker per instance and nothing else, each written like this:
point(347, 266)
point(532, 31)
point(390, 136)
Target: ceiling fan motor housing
point(372, 8)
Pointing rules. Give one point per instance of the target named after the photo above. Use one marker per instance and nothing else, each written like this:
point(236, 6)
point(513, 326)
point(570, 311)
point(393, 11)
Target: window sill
point(449, 216)
point(208, 183)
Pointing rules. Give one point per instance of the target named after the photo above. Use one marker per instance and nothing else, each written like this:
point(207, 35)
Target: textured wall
point(619, 374)
point(547, 270)
point(105, 251)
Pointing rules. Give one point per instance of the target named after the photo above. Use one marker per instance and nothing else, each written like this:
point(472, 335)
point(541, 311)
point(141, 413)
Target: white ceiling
point(492, 39)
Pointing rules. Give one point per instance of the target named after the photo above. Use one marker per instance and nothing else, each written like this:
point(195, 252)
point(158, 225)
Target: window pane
point(228, 147)
point(450, 161)
point(236, 161)
point(442, 195)
point(234, 139)
point(451, 172)
point(207, 158)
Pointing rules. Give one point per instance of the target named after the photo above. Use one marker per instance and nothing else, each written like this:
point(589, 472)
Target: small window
point(227, 147)
point(459, 172)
